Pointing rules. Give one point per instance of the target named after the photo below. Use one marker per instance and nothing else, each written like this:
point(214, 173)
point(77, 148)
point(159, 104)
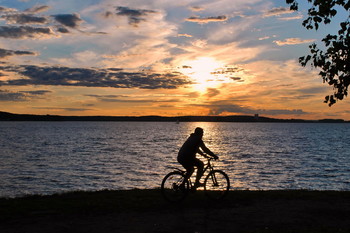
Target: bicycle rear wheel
point(171, 187)
point(216, 185)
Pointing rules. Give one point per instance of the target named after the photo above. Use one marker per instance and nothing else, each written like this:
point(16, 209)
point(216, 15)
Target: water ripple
point(51, 157)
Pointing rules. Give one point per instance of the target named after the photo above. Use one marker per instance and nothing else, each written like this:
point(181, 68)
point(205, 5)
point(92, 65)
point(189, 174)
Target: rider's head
point(199, 131)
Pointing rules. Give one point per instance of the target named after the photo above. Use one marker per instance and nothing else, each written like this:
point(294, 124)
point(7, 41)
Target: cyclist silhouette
point(187, 155)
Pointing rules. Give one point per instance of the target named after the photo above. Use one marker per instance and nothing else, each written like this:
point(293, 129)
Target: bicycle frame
point(175, 188)
point(207, 167)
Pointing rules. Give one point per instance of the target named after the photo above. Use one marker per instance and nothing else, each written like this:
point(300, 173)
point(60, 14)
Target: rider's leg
point(200, 167)
point(189, 166)
point(189, 172)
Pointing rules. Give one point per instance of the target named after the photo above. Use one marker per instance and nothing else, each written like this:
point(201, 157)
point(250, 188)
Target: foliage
point(334, 61)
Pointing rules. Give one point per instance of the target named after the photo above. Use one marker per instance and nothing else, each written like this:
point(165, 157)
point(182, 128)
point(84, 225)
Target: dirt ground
point(247, 212)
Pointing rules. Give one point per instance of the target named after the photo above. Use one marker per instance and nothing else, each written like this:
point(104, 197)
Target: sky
point(161, 57)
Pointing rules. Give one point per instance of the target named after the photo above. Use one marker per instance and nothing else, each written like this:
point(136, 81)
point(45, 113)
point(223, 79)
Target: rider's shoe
point(199, 184)
point(196, 185)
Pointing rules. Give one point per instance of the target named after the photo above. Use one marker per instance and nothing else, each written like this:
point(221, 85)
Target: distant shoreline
point(5, 116)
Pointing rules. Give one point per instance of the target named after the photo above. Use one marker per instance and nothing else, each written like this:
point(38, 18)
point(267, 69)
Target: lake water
point(53, 157)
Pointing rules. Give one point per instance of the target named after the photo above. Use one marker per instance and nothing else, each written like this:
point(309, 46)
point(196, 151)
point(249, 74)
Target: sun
point(203, 71)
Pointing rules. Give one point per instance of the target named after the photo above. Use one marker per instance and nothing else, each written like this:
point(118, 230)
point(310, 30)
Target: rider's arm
point(206, 150)
point(202, 154)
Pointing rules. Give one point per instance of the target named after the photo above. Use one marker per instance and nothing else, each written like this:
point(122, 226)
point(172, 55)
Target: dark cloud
point(6, 53)
point(4, 9)
point(11, 96)
point(59, 23)
point(216, 108)
point(130, 99)
point(65, 76)
point(65, 109)
point(135, 16)
point(37, 9)
point(21, 96)
point(69, 20)
point(24, 19)
point(211, 92)
point(21, 32)
point(238, 79)
point(278, 11)
point(229, 72)
point(63, 30)
point(108, 14)
point(200, 20)
point(38, 92)
point(196, 8)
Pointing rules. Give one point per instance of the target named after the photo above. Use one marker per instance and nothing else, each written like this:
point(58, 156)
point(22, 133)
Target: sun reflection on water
point(66, 156)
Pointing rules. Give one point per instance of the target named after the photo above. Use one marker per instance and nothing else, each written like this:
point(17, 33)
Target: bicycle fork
point(215, 181)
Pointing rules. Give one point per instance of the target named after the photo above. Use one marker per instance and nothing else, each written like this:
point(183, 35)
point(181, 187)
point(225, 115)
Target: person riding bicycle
point(187, 155)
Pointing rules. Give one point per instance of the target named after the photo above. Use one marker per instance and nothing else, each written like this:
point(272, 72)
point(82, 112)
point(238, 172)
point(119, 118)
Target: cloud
point(15, 18)
point(28, 16)
point(11, 96)
point(199, 20)
point(20, 96)
point(291, 18)
point(277, 11)
point(22, 32)
point(212, 92)
point(184, 35)
point(6, 53)
point(135, 16)
point(69, 20)
point(134, 99)
point(12, 16)
point(37, 92)
point(293, 41)
point(24, 19)
point(196, 8)
point(219, 107)
point(65, 76)
point(266, 37)
point(65, 109)
point(5, 9)
point(62, 30)
point(37, 9)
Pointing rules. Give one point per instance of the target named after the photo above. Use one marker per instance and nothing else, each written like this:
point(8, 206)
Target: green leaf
point(333, 12)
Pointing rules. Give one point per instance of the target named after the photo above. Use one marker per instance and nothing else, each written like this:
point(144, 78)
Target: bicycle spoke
point(217, 184)
point(173, 188)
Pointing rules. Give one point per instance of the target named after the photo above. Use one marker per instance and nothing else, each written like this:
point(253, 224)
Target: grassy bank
point(146, 211)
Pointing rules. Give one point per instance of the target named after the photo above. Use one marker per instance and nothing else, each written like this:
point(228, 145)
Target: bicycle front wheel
point(173, 187)
point(216, 185)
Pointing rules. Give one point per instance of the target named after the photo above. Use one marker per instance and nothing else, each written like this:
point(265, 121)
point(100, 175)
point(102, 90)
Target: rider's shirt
point(191, 147)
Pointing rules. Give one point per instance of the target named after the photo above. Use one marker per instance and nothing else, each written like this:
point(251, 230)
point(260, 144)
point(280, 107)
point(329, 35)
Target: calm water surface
point(51, 157)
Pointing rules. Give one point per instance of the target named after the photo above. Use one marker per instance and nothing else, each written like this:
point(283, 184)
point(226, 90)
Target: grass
point(80, 201)
point(245, 211)
point(111, 200)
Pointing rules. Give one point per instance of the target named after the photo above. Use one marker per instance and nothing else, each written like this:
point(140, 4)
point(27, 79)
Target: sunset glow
point(161, 58)
point(204, 72)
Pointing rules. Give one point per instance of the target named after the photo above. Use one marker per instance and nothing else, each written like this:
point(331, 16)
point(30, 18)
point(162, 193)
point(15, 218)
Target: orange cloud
point(293, 41)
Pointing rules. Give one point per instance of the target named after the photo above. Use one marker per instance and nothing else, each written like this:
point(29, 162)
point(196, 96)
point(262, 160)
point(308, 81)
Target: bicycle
point(216, 184)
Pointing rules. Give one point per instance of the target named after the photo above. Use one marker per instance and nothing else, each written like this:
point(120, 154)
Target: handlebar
point(209, 157)
point(212, 158)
